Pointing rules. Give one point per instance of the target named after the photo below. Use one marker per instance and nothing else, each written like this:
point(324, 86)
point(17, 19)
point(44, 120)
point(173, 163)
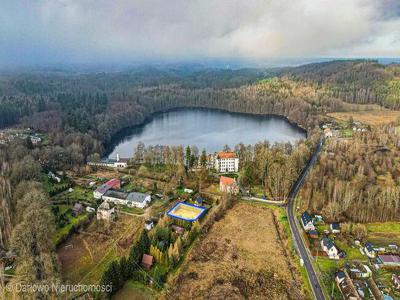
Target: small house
point(228, 185)
point(307, 221)
point(396, 281)
point(148, 224)
point(188, 191)
point(77, 209)
point(177, 229)
point(328, 133)
point(369, 250)
point(313, 234)
point(147, 261)
point(106, 212)
point(340, 277)
point(329, 247)
point(335, 227)
point(199, 201)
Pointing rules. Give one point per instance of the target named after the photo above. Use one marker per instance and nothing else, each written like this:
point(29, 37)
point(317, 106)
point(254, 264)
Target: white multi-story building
point(226, 162)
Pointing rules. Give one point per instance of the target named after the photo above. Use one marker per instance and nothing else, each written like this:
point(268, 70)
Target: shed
point(77, 209)
point(147, 261)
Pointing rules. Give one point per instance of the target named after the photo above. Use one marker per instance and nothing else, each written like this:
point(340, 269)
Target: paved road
point(298, 242)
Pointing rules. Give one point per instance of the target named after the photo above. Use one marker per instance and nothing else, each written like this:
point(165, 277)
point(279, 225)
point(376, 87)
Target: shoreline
point(119, 136)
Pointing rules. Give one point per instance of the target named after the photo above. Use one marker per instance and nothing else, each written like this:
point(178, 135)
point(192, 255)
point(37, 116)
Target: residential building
point(226, 162)
point(390, 260)
point(307, 222)
point(148, 224)
point(228, 185)
point(77, 209)
point(118, 163)
point(106, 212)
point(335, 227)
point(369, 250)
point(101, 190)
point(329, 247)
point(328, 133)
point(133, 199)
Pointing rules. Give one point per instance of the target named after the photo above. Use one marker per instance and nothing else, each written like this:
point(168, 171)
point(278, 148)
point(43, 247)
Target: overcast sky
point(102, 31)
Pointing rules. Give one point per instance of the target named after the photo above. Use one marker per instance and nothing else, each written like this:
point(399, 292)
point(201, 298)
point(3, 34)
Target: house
point(118, 163)
point(329, 247)
point(53, 176)
point(307, 222)
point(390, 260)
point(188, 191)
point(133, 199)
point(335, 227)
point(396, 281)
point(228, 185)
point(35, 139)
point(106, 212)
point(147, 261)
point(226, 162)
point(101, 190)
point(148, 224)
point(318, 218)
point(369, 250)
point(178, 229)
point(313, 234)
point(77, 209)
point(328, 133)
point(340, 277)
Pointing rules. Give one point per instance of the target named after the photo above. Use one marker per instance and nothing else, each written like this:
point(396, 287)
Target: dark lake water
point(205, 128)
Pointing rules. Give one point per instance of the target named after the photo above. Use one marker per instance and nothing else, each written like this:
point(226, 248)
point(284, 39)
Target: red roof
point(226, 155)
point(113, 182)
point(147, 261)
point(227, 180)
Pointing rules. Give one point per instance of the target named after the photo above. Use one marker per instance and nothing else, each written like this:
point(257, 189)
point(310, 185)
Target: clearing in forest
point(370, 117)
point(245, 255)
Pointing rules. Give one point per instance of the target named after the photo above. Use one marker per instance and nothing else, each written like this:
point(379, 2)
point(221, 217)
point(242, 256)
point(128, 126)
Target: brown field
point(84, 257)
point(372, 117)
point(243, 256)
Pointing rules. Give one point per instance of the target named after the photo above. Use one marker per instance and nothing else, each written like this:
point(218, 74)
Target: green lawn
point(79, 194)
point(384, 227)
point(132, 210)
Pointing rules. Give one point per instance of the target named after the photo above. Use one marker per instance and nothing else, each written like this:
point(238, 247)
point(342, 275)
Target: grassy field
point(383, 234)
point(371, 117)
point(86, 255)
point(243, 256)
point(134, 290)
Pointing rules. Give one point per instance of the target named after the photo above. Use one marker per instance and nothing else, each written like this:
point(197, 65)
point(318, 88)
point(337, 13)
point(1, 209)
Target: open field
point(84, 256)
point(383, 234)
point(370, 117)
point(133, 290)
point(243, 256)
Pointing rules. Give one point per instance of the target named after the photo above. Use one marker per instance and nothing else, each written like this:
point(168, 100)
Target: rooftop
point(222, 155)
point(227, 180)
point(390, 259)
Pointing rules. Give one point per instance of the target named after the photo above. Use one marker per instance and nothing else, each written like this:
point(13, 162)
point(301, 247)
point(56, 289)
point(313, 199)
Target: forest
point(357, 179)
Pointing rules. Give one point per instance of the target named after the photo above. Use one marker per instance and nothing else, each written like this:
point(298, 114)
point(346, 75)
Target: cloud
point(122, 30)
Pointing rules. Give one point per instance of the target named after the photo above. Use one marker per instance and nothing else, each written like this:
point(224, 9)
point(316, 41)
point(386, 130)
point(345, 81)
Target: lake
point(205, 128)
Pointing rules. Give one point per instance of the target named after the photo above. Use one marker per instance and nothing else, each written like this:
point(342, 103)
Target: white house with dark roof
point(329, 247)
point(369, 250)
point(133, 199)
point(307, 222)
point(335, 227)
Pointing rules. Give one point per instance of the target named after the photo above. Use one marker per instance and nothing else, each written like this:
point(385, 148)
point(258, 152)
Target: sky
point(107, 31)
